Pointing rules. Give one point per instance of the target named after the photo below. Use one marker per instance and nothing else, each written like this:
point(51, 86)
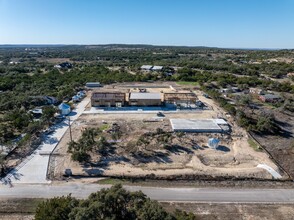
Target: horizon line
point(142, 44)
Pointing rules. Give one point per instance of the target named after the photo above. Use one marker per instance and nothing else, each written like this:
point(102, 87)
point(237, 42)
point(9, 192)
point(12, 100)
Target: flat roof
point(147, 67)
point(271, 96)
point(220, 121)
point(195, 125)
point(157, 67)
point(145, 95)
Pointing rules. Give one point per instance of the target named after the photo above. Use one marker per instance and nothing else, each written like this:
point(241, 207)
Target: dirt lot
point(15, 209)
point(281, 146)
point(235, 211)
point(148, 146)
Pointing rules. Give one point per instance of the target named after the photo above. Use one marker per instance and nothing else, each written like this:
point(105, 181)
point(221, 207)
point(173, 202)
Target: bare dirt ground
point(281, 146)
point(53, 60)
point(24, 209)
point(235, 211)
point(18, 209)
point(143, 149)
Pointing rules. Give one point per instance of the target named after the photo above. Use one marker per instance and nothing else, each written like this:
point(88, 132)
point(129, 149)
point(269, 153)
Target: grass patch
point(186, 83)
point(104, 127)
point(254, 145)
point(113, 181)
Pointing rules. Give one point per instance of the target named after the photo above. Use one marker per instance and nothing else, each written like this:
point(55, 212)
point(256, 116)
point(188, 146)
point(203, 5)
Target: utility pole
point(69, 129)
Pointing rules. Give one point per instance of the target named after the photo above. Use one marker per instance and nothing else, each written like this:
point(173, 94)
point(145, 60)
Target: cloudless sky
point(219, 23)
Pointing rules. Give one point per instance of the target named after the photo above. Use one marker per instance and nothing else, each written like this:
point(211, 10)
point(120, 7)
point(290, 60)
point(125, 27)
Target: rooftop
point(146, 67)
point(144, 95)
point(157, 67)
point(196, 125)
point(271, 96)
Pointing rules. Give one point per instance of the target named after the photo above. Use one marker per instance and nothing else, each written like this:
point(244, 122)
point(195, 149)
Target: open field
point(281, 146)
point(15, 209)
point(146, 146)
point(235, 211)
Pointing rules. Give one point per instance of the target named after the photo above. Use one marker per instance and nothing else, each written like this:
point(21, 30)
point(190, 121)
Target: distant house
point(256, 91)
point(43, 100)
point(157, 68)
point(232, 89)
point(225, 90)
point(146, 67)
point(51, 100)
point(269, 98)
point(65, 65)
point(93, 84)
point(37, 112)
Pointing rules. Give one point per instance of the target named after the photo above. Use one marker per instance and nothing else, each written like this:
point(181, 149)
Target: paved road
point(82, 190)
point(34, 168)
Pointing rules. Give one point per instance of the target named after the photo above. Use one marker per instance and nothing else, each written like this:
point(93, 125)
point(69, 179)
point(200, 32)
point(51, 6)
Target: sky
point(213, 23)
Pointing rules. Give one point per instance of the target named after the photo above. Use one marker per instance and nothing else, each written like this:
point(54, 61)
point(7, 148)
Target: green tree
point(48, 113)
point(266, 124)
point(114, 203)
point(3, 164)
point(57, 208)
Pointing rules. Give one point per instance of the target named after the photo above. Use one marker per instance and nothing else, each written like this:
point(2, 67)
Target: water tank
point(213, 143)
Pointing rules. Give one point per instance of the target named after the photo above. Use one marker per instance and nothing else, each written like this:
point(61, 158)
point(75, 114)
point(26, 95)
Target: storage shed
point(145, 99)
point(93, 84)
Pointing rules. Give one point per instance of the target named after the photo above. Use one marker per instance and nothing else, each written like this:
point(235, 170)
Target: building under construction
point(108, 99)
point(144, 99)
point(187, 98)
point(141, 98)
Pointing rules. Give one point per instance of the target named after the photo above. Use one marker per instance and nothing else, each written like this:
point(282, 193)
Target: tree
point(266, 124)
point(6, 134)
point(56, 208)
point(48, 113)
point(80, 156)
point(114, 203)
point(3, 164)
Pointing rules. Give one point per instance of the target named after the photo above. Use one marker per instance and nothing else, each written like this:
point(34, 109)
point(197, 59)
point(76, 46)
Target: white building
point(146, 67)
point(157, 68)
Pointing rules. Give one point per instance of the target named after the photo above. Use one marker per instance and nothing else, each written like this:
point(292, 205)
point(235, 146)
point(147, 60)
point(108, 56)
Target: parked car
point(160, 114)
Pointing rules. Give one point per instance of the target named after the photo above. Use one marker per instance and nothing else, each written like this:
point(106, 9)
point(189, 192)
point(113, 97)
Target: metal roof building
point(93, 84)
point(144, 99)
point(157, 68)
point(145, 95)
point(196, 125)
point(146, 67)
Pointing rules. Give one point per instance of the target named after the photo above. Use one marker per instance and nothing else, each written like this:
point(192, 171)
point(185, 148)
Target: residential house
point(269, 98)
